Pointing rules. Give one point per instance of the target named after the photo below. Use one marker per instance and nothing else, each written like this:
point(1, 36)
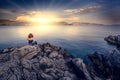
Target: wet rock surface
point(49, 62)
point(115, 40)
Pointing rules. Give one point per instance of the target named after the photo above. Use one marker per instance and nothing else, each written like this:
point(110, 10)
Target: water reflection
point(48, 31)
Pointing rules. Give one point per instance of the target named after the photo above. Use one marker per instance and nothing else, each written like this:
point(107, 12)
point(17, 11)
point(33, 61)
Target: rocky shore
point(49, 62)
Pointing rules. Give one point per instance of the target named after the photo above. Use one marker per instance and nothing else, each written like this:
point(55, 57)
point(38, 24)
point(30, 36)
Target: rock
point(46, 77)
point(57, 48)
point(70, 75)
point(45, 63)
point(65, 78)
point(5, 50)
point(81, 69)
point(113, 57)
point(42, 62)
point(107, 65)
point(99, 65)
point(115, 40)
point(48, 49)
point(26, 64)
point(34, 63)
point(13, 77)
point(53, 54)
point(26, 52)
point(4, 57)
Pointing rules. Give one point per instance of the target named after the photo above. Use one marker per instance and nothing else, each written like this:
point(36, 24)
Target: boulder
point(81, 69)
point(46, 77)
point(48, 49)
point(70, 75)
point(53, 54)
point(106, 65)
point(4, 57)
point(65, 78)
point(26, 52)
point(115, 40)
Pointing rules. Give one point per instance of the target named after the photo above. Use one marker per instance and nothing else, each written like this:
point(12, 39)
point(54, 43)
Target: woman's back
point(31, 39)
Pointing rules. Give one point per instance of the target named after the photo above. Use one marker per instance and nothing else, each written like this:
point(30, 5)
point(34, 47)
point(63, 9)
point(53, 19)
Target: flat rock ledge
point(49, 62)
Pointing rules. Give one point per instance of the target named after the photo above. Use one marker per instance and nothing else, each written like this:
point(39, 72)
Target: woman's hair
point(30, 35)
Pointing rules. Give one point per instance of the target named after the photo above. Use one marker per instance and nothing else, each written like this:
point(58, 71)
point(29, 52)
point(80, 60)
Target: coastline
point(46, 62)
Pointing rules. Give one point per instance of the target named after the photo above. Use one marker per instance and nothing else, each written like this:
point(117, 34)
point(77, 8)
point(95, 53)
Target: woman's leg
point(30, 42)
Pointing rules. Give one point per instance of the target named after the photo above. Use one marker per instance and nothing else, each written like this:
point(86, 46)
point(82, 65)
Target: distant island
point(6, 22)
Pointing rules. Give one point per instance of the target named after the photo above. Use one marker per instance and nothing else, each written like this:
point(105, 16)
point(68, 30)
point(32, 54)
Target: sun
point(39, 18)
point(43, 20)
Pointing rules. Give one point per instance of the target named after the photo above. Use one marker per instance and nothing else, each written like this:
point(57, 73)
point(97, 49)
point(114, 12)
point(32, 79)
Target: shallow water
point(78, 40)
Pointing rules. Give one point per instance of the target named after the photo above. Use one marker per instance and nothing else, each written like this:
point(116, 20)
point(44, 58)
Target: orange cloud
point(23, 18)
point(71, 19)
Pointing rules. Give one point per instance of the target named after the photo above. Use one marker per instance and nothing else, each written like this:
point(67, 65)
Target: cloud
point(70, 19)
point(5, 11)
point(112, 17)
point(8, 12)
point(23, 18)
point(83, 10)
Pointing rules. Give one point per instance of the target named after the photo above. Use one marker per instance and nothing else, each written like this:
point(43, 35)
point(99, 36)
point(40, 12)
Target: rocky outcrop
point(113, 40)
point(81, 69)
point(48, 62)
point(106, 66)
point(39, 62)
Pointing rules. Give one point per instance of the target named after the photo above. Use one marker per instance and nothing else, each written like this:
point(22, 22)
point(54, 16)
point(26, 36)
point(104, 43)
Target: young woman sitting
point(31, 39)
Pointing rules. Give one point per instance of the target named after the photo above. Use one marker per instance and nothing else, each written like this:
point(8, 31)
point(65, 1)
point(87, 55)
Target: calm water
point(78, 40)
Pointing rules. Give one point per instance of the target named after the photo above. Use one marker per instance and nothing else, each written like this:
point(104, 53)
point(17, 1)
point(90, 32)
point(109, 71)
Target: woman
point(31, 39)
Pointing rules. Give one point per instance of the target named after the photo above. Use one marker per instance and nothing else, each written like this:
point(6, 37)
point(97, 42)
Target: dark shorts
point(31, 42)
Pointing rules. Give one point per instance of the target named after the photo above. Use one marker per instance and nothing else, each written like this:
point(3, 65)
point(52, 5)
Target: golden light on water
point(37, 30)
point(48, 31)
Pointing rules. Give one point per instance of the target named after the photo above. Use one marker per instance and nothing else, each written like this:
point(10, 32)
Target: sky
point(84, 11)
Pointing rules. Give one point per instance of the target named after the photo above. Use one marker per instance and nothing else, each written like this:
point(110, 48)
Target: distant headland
point(6, 22)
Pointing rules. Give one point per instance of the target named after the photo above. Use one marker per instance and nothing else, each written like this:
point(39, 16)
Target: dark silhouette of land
point(7, 22)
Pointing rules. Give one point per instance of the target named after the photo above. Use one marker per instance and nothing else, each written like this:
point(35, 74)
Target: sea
point(78, 40)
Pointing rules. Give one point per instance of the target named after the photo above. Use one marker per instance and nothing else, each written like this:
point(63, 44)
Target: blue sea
point(78, 40)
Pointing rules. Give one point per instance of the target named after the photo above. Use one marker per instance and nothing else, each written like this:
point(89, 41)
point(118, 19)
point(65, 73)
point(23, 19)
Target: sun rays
point(43, 14)
point(39, 12)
